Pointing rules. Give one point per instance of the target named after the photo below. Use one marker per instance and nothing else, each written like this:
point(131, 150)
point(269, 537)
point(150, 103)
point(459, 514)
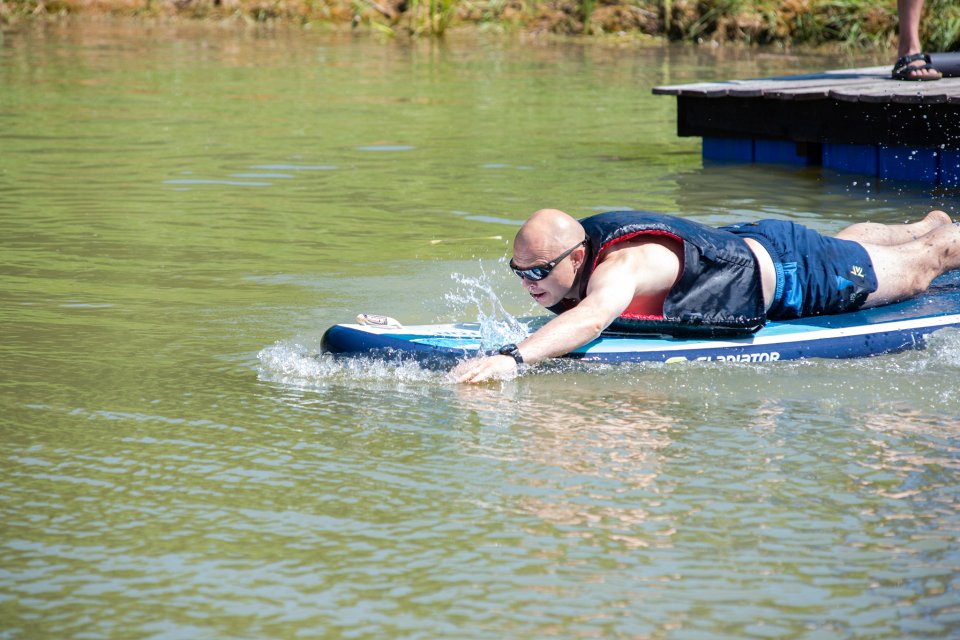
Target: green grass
point(852, 23)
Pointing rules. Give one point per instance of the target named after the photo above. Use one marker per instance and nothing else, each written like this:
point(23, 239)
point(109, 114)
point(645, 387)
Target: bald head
point(545, 234)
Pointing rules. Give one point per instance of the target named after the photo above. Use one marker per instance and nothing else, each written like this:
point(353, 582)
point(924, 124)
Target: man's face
point(559, 283)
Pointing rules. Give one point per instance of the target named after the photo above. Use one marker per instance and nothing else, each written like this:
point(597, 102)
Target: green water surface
point(185, 208)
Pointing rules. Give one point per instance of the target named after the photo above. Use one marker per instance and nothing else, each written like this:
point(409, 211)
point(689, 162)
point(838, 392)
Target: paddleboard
point(868, 332)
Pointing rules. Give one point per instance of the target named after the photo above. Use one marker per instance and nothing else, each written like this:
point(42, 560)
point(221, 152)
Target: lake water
point(186, 208)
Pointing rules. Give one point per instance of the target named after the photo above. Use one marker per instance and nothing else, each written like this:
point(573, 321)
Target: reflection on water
point(187, 208)
point(740, 484)
point(824, 200)
point(700, 493)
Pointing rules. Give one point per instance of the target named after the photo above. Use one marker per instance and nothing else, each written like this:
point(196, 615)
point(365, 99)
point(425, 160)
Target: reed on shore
point(857, 23)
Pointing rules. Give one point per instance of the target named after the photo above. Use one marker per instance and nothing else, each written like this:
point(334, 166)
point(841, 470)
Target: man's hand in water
point(487, 368)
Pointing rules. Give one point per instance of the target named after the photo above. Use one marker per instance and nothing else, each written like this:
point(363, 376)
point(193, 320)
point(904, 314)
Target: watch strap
point(513, 351)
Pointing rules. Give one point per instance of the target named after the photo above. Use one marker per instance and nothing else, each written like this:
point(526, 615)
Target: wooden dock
point(851, 120)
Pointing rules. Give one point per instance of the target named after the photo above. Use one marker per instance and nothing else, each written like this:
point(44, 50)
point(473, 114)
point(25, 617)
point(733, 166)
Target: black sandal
point(902, 70)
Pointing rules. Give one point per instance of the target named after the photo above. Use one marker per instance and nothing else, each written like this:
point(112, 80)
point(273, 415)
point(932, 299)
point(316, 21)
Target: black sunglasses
point(539, 273)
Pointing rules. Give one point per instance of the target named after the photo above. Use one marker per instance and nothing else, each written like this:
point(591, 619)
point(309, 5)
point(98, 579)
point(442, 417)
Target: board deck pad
point(887, 329)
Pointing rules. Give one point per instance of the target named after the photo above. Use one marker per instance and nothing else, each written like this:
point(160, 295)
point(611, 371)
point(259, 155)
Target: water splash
point(940, 357)
point(477, 298)
point(473, 299)
point(295, 364)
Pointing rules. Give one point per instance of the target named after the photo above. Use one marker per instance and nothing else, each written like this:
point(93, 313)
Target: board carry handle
point(376, 320)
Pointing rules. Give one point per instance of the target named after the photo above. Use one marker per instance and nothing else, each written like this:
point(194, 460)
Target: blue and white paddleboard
point(868, 332)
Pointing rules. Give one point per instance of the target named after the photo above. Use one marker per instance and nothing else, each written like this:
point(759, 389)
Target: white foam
point(293, 363)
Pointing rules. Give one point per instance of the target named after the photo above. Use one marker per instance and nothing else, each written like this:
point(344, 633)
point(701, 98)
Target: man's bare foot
point(937, 218)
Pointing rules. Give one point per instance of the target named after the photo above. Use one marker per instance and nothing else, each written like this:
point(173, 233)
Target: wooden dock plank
point(821, 88)
point(791, 89)
point(938, 92)
point(723, 88)
point(873, 83)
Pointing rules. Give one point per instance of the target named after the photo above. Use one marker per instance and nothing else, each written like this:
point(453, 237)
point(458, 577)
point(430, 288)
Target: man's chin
point(544, 300)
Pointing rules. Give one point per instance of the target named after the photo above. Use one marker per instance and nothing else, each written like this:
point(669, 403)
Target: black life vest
point(718, 293)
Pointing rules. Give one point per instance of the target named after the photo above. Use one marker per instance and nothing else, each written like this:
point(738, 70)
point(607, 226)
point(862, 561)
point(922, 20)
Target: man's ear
point(579, 254)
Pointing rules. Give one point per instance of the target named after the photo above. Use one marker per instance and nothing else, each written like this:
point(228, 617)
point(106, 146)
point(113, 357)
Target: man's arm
point(612, 288)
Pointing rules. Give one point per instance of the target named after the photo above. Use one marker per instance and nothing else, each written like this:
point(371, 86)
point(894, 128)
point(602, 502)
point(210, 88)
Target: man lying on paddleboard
point(648, 272)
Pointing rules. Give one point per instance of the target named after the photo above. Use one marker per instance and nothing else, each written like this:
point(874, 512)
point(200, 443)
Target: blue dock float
point(849, 120)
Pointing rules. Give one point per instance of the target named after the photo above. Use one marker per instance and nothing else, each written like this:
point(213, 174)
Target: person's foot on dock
point(915, 67)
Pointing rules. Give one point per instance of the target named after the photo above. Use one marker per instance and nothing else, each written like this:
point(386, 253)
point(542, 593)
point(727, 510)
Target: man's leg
point(906, 269)
point(892, 234)
point(909, 13)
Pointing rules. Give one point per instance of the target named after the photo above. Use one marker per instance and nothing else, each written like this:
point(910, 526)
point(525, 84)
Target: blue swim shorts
point(816, 274)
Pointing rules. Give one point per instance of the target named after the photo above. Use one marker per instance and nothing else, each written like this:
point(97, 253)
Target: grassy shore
point(856, 23)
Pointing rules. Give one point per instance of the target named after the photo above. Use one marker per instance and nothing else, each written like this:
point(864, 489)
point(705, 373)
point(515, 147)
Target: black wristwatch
point(512, 351)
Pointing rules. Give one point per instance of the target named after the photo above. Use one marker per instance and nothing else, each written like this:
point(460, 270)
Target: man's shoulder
point(642, 257)
point(627, 216)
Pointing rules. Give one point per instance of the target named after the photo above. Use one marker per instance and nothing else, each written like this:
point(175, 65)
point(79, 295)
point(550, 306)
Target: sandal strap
point(904, 71)
point(913, 57)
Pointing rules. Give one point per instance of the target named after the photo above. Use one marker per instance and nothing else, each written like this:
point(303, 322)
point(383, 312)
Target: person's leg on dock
point(892, 234)
point(911, 63)
point(907, 269)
